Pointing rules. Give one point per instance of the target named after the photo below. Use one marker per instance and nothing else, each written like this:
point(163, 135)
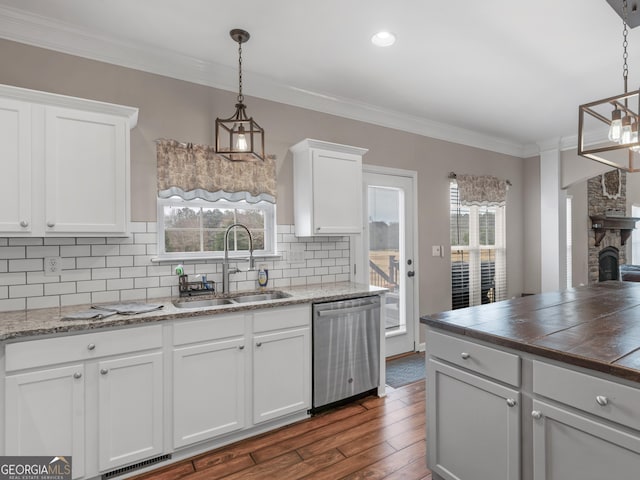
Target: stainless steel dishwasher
point(346, 349)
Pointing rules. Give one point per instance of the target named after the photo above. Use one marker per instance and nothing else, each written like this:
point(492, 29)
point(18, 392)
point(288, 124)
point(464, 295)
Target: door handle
point(411, 273)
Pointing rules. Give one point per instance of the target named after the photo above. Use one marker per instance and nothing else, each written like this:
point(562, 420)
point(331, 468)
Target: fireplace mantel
point(602, 223)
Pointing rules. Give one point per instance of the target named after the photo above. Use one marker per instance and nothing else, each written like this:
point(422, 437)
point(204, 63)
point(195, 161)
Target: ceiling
point(502, 75)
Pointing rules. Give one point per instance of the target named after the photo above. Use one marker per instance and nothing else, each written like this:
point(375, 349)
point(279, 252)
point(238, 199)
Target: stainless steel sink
point(212, 302)
point(260, 297)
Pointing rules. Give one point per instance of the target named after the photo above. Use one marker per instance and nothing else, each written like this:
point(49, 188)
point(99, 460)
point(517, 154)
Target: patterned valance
point(481, 190)
point(194, 171)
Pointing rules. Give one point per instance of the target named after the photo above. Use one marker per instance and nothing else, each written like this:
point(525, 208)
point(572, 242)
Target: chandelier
point(239, 138)
point(608, 128)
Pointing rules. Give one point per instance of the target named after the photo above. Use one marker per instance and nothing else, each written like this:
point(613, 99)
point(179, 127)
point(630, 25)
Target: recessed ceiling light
point(383, 39)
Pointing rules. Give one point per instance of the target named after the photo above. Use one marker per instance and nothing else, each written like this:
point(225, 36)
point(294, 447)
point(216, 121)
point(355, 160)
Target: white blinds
point(478, 252)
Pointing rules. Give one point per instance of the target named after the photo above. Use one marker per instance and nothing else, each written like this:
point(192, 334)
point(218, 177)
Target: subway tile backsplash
point(99, 270)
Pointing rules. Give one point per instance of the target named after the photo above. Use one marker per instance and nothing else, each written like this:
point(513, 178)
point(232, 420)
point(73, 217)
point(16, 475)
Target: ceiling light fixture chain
point(240, 96)
point(625, 44)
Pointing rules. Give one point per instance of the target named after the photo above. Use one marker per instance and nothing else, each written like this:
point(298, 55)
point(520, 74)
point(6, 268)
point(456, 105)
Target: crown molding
point(38, 31)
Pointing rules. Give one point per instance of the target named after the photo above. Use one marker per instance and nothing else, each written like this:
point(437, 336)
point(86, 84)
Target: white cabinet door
point(337, 193)
point(281, 373)
point(86, 180)
point(473, 426)
point(130, 409)
point(15, 165)
point(208, 390)
point(45, 414)
point(327, 188)
point(568, 446)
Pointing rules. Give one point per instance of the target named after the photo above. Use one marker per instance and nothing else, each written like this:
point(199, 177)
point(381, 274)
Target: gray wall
point(185, 111)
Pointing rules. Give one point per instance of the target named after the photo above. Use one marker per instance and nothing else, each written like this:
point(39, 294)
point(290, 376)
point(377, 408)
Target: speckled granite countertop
point(596, 327)
point(48, 321)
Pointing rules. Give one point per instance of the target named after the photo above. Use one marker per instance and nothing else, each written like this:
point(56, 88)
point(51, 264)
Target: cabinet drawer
point(494, 363)
point(51, 351)
point(203, 329)
point(278, 318)
point(604, 398)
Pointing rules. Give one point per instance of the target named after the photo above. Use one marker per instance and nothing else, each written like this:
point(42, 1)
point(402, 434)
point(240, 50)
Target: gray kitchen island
point(545, 387)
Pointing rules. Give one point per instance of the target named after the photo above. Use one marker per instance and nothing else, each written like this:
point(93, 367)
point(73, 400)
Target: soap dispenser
point(263, 276)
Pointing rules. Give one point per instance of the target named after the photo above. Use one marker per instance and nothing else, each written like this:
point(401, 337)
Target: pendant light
point(239, 138)
point(608, 128)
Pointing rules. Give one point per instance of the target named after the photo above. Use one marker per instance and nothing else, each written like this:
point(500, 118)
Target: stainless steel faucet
point(226, 271)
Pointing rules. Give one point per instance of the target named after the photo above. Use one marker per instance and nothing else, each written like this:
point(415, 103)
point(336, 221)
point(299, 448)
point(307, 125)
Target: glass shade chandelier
point(608, 128)
point(239, 138)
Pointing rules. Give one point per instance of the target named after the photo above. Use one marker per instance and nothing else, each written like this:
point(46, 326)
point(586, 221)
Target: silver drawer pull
point(536, 414)
point(104, 371)
point(259, 344)
point(24, 224)
point(240, 347)
point(465, 355)
point(77, 375)
point(511, 402)
point(602, 400)
point(51, 224)
point(91, 346)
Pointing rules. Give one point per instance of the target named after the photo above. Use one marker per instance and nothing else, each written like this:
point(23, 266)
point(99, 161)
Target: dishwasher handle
point(341, 311)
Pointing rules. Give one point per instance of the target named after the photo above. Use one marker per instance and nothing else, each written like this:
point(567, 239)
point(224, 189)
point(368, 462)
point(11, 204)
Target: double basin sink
point(239, 299)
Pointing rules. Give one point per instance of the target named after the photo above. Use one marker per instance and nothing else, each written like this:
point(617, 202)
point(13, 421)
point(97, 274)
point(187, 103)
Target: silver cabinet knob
point(51, 224)
point(465, 355)
point(241, 347)
point(259, 344)
point(602, 400)
point(24, 224)
point(536, 414)
point(91, 346)
point(104, 371)
point(77, 375)
point(511, 402)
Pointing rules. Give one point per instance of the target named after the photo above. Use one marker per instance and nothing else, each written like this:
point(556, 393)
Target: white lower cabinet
point(570, 446)
point(208, 385)
point(103, 397)
point(281, 373)
point(58, 389)
point(474, 426)
point(45, 414)
point(130, 412)
point(234, 371)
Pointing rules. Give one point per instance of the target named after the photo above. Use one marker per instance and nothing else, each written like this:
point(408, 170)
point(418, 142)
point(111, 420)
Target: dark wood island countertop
point(595, 327)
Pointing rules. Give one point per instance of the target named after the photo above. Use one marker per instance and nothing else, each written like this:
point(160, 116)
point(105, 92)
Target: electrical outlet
point(52, 266)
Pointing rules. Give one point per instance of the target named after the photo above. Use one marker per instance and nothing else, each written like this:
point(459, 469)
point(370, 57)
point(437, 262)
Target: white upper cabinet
point(67, 165)
point(327, 188)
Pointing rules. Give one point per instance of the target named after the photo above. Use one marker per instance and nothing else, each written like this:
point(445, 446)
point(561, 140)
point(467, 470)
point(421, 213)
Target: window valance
point(194, 171)
point(482, 190)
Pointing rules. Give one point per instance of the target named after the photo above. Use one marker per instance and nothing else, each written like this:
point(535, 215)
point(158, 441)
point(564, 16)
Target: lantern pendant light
point(239, 138)
point(608, 128)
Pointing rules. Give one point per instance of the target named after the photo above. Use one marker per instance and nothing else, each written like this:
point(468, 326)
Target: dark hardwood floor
point(373, 438)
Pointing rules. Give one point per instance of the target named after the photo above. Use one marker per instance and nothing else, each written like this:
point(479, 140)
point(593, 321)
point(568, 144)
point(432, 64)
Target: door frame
point(360, 269)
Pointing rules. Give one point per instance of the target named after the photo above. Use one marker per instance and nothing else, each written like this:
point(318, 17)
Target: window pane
point(218, 217)
point(181, 240)
point(258, 239)
point(181, 217)
point(213, 240)
point(251, 218)
point(487, 225)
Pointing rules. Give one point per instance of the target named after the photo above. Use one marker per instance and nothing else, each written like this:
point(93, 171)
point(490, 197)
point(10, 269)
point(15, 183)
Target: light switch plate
point(436, 250)
point(52, 266)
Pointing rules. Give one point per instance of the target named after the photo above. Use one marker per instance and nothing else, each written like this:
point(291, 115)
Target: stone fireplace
point(607, 199)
